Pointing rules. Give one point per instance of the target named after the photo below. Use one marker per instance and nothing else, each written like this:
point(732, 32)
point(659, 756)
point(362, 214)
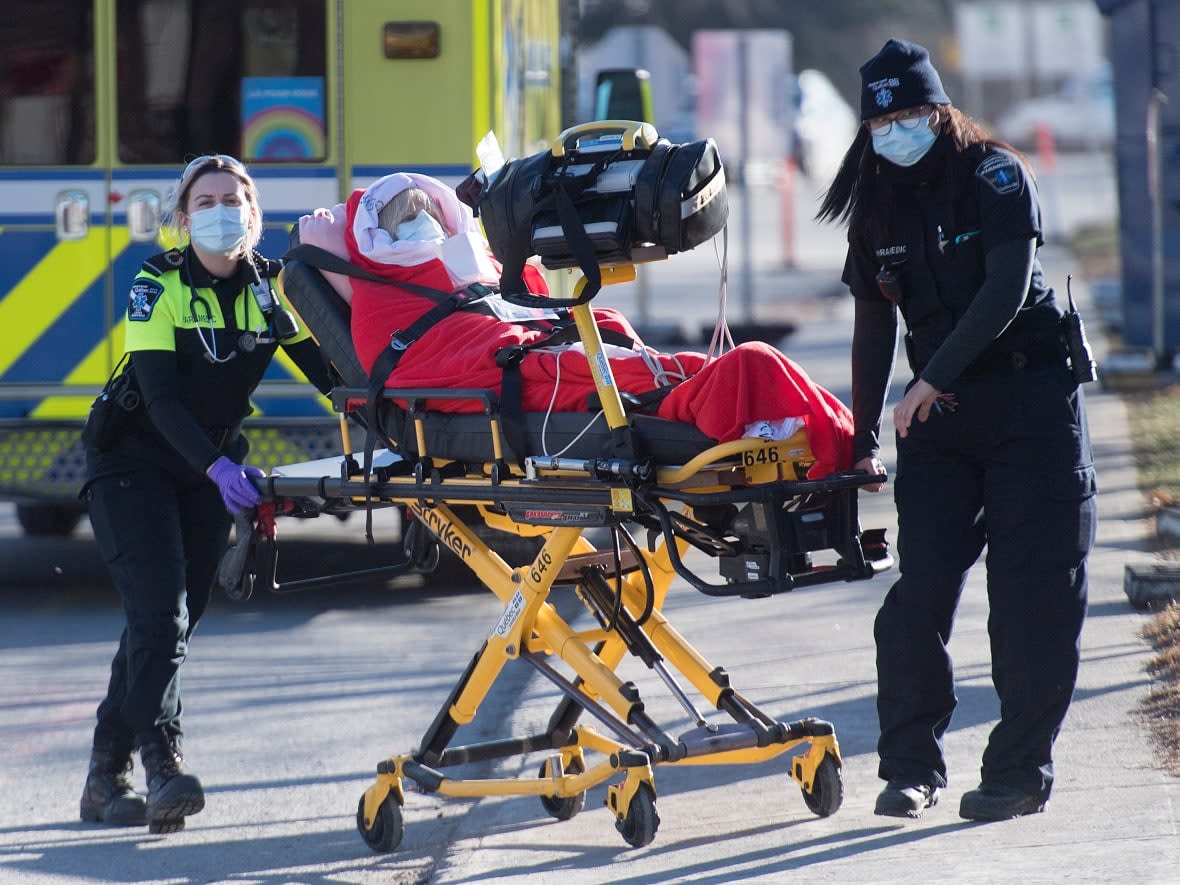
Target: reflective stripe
point(46, 292)
point(483, 51)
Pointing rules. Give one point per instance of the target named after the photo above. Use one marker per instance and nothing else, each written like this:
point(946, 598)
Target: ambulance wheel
point(386, 832)
point(48, 520)
point(640, 825)
point(827, 790)
point(564, 807)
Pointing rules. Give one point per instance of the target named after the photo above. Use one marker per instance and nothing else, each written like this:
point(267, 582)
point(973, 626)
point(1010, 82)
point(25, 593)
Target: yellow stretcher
point(745, 504)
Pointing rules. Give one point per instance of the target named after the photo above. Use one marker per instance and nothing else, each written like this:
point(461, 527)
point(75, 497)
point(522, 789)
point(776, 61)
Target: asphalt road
point(290, 701)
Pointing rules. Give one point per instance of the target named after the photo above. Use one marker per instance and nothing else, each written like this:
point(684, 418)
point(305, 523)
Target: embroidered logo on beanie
point(883, 91)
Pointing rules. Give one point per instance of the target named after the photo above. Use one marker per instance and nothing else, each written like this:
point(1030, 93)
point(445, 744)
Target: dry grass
point(1160, 710)
point(1155, 427)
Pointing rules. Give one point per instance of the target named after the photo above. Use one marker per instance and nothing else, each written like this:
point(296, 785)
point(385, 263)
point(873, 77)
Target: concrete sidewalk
point(1114, 815)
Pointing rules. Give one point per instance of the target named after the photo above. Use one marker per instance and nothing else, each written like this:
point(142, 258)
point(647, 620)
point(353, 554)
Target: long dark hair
point(859, 186)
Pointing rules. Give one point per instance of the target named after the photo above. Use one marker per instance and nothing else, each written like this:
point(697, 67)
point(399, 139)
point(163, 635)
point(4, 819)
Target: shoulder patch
point(164, 262)
point(144, 295)
point(1001, 173)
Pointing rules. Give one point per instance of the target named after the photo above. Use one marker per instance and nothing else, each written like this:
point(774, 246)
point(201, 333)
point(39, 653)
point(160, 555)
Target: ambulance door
point(54, 251)
point(54, 243)
point(423, 98)
point(446, 73)
point(248, 78)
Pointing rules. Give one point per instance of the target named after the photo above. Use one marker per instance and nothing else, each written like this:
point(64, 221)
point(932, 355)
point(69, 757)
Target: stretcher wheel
point(641, 823)
point(564, 807)
point(827, 790)
point(386, 832)
point(421, 548)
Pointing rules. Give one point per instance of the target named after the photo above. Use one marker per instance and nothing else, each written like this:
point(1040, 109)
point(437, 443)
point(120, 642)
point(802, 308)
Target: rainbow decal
point(283, 118)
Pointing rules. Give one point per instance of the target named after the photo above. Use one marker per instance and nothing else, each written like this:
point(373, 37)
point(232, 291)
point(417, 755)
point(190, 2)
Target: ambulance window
point(241, 77)
point(46, 83)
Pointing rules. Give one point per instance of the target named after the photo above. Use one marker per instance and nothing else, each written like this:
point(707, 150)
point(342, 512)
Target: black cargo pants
point(1011, 469)
point(162, 540)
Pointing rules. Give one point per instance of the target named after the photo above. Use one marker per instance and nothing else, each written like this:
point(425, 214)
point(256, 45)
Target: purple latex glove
point(233, 481)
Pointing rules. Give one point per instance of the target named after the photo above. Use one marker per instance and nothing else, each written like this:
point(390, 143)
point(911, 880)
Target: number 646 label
point(764, 455)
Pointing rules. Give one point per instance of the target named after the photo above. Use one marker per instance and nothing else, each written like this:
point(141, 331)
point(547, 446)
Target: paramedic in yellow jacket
point(165, 473)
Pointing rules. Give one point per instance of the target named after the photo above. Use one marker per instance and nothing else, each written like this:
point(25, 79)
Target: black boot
point(904, 797)
point(172, 794)
point(999, 802)
point(108, 796)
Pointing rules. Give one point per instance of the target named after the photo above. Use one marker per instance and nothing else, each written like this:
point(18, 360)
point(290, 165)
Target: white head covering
point(464, 252)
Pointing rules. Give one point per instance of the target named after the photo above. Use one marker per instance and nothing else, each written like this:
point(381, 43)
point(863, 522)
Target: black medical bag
point(607, 192)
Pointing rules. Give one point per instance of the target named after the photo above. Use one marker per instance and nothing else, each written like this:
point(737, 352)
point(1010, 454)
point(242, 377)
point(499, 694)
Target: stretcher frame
point(557, 501)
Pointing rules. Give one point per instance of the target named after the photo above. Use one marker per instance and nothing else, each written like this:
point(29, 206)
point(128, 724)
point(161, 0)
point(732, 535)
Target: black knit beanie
point(900, 76)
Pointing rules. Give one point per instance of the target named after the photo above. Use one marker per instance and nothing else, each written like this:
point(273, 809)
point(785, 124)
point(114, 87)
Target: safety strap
point(322, 259)
point(563, 332)
point(508, 359)
point(446, 303)
point(647, 401)
point(512, 385)
point(387, 361)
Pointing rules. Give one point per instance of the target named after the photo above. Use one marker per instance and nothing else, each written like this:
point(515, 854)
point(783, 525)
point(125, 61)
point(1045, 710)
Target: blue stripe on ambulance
point(72, 174)
point(20, 251)
point(81, 321)
point(74, 333)
point(442, 170)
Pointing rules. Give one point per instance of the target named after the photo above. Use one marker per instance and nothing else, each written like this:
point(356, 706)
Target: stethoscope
point(248, 340)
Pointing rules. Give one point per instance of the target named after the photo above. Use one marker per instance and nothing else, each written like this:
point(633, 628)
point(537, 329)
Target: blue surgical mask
point(221, 229)
point(422, 227)
point(904, 147)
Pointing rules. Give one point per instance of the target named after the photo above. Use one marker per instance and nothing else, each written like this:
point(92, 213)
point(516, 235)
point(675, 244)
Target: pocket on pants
point(1073, 493)
point(1077, 484)
point(107, 501)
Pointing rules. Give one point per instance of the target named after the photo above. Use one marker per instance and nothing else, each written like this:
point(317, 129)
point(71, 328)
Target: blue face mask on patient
point(421, 228)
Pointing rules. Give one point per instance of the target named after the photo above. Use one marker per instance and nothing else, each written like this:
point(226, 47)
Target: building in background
point(1022, 64)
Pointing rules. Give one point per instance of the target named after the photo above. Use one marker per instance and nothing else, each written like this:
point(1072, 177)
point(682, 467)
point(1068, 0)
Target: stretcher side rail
point(766, 553)
point(466, 458)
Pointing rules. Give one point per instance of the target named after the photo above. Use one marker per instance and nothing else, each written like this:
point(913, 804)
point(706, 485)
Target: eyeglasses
point(210, 160)
point(910, 118)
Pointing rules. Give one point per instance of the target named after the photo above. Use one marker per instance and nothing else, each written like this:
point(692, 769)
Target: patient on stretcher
point(412, 229)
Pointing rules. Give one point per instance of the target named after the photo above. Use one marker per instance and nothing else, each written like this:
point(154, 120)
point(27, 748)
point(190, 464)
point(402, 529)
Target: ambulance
point(102, 102)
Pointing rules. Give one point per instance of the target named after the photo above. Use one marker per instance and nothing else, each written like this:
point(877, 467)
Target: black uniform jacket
point(199, 347)
point(930, 237)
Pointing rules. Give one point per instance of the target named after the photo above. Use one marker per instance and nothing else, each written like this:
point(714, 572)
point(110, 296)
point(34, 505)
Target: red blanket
point(750, 383)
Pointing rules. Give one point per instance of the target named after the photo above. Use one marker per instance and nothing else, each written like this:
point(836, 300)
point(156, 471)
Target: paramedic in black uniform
point(992, 444)
point(161, 493)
